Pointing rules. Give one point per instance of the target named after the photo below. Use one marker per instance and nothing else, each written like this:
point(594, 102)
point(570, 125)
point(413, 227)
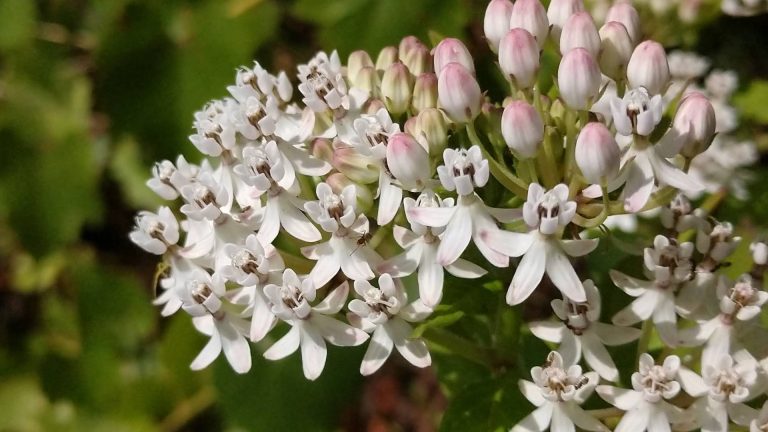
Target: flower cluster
point(312, 211)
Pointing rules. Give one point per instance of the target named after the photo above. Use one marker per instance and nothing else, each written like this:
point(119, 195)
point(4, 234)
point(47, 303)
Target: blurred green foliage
point(91, 94)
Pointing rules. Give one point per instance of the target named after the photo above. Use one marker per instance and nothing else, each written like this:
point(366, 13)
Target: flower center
point(203, 196)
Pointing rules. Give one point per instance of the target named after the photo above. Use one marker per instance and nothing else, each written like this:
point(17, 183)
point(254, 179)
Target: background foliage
point(92, 93)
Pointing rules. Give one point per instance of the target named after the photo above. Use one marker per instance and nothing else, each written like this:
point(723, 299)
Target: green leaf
point(751, 102)
point(437, 321)
point(17, 23)
point(495, 404)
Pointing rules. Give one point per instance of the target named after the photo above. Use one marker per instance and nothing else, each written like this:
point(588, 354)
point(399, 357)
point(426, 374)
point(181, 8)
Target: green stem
point(645, 338)
point(459, 346)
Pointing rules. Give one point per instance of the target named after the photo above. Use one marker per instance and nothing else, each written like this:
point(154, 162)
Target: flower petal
point(405, 263)
point(563, 276)
point(632, 286)
point(507, 242)
point(413, 350)
point(415, 311)
point(210, 351)
point(313, 351)
point(598, 358)
point(550, 331)
point(262, 320)
point(639, 184)
point(536, 421)
point(611, 335)
point(639, 310)
point(235, 347)
point(432, 216)
point(560, 420)
point(379, 349)
point(285, 346)
point(532, 392)
point(623, 399)
point(528, 274)
point(430, 278)
point(464, 269)
point(456, 236)
point(691, 382)
point(582, 419)
point(334, 301)
point(325, 269)
point(295, 223)
point(669, 174)
point(389, 202)
point(665, 319)
point(577, 248)
point(570, 348)
point(337, 332)
point(270, 223)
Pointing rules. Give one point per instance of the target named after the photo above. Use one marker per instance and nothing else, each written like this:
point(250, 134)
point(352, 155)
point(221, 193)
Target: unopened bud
point(322, 149)
point(451, 50)
point(616, 50)
point(458, 93)
point(407, 161)
point(357, 60)
point(580, 31)
point(425, 92)
point(759, 252)
point(519, 57)
point(597, 153)
point(351, 163)
point(431, 130)
point(406, 45)
point(367, 79)
point(578, 78)
point(397, 88)
point(387, 56)
point(522, 128)
point(558, 13)
point(696, 116)
point(648, 68)
point(496, 22)
point(418, 59)
point(531, 15)
point(373, 106)
point(338, 181)
point(623, 12)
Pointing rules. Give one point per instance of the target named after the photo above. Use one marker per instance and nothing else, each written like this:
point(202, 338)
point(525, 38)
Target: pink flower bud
point(579, 31)
point(530, 15)
point(367, 78)
point(558, 13)
point(695, 116)
point(357, 60)
point(496, 22)
point(522, 128)
point(387, 56)
point(451, 50)
point(626, 14)
point(431, 130)
point(407, 161)
point(406, 45)
point(648, 68)
point(597, 153)
point(519, 57)
point(458, 93)
point(397, 88)
point(616, 49)
point(418, 59)
point(349, 161)
point(425, 92)
point(578, 78)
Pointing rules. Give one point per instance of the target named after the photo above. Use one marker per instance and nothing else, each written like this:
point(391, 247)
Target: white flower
point(679, 215)
point(322, 83)
point(256, 82)
point(579, 331)
point(421, 246)
point(202, 297)
point(333, 212)
point(463, 170)
point(740, 302)
point(725, 387)
point(168, 179)
point(686, 65)
point(557, 391)
point(311, 326)
point(155, 233)
point(637, 112)
point(255, 119)
point(204, 198)
point(715, 242)
point(214, 131)
point(543, 250)
point(383, 312)
point(760, 422)
point(645, 405)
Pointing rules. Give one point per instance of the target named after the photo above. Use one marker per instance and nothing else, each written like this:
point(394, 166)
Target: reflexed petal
point(235, 347)
point(464, 269)
point(415, 311)
point(296, 224)
point(563, 276)
point(665, 319)
point(403, 236)
point(456, 236)
point(577, 248)
point(741, 414)
point(639, 184)
point(432, 216)
point(691, 382)
point(270, 224)
point(658, 421)
point(611, 335)
point(582, 419)
point(623, 399)
point(639, 310)
point(209, 353)
point(699, 333)
point(483, 223)
point(570, 348)
point(334, 301)
point(550, 331)
point(413, 350)
point(598, 358)
point(719, 344)
point(313, 351)
point(324, 270)
point(632, 286)
point(389, 202)
point(528, 274)
point(430, 278)
point(355, 267)
point(635, 420)
point(560, 420)
point(532, 392)
point(536, 421)
point(286, 346)
point(671, 175)
point(262, 320)
point(337, 332)
point(379, 349)
point(405, 263)
point(507, 242)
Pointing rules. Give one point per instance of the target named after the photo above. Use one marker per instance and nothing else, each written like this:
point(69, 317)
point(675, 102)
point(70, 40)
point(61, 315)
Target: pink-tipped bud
point(578, 79)
point(322, 149)
point(530, 15)
point(458, 93)
point(616, 49)
point(387, 56)
point(406, 45)
point(418, 59)
point(626, 14)
point(367, 79)
point(522, 128)
point(580, 31)
point(431, 130)
point(558, 13)
point(519, 57)
point(408, 161)
point(648, 68)
point(597, 153)
point(397, 88)
point(695, 116)
point(359, 168)
point(451, 50)
point(357, 60)
point(496, 22)
point(425, 92)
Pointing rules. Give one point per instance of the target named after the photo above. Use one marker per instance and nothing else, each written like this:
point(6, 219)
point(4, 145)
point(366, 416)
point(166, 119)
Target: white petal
point(325, 269)
point(598, 358)
point(623, 399)
point(563, 276)
point(658, 422)
point(379, 349)
point(570, 348)
point(665, 319)
point(741, 414)
point(611, 335)
point(430, 278)
point(509, 243)
point(632, 286)
point(235, 347)
point(669, 174)
point(532, 392)
point(577, 248)
point(405, 263)
point(262, 320)
point(699, 333)
point(639, 310)
point(582, 419)
point(635, 420)
point(304, 162)
point(403, 236)
point(286, 346)
point(356, 266)
point(270, 225)
point(334, 301)
point(528, 274)
point(691, 382)
point(456, 236)
point(550, 331)
point(313, 351)
point(483, 223)
point(466, 270)
point(389, 202)
point(639, 184)
point(432, 216)
point(209, 353)
point(337, 332)
point(296, 224)
point(415, 311)
point(536, 421)
point(413, 350)
point(719, 344)
point(560, 420)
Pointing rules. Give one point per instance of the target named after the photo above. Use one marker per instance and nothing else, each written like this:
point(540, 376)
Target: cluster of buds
point(409, 148)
